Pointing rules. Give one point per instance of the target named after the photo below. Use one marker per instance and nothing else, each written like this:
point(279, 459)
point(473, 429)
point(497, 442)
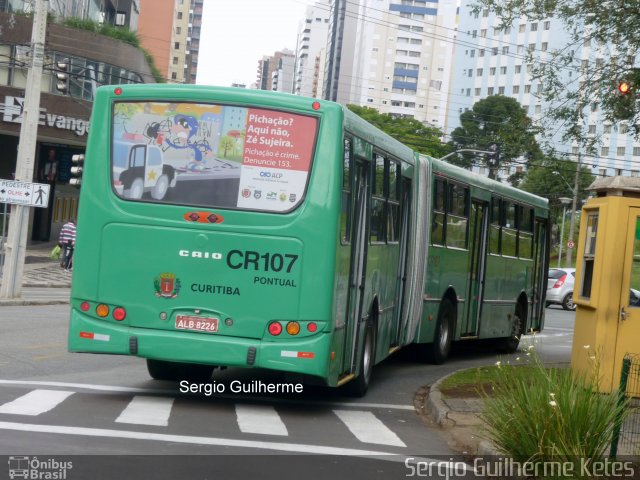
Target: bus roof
point(480, 181)
point(231, 95)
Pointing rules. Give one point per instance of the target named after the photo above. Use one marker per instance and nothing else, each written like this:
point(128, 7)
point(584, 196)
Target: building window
point(179, 15)
point(636, 151)
point(604, 152)
point(534, 27)
point(176, 45)
point(121, 19)
point(175, 60)
point(516, 89)
point(620, 151)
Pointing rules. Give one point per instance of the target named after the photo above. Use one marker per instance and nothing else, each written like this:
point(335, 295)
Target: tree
point(226, 143)
point(496, 120)
point(571, 84)
point(413, 133)
point(553, 178)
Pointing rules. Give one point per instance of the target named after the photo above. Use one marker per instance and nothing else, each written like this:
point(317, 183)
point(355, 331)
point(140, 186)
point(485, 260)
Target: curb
point(439, 411)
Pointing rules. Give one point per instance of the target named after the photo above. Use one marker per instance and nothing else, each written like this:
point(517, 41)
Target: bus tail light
point(85, 306)
point(275, 328)
point(312, 327)
point(102, 310)
point(293, 328)
point(560, 281)
point(119, 314)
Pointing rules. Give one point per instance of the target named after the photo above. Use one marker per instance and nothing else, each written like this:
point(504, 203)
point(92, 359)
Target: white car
point(560, 287)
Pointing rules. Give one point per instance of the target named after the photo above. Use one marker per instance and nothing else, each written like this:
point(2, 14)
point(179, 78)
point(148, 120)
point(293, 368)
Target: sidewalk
point(43, 281)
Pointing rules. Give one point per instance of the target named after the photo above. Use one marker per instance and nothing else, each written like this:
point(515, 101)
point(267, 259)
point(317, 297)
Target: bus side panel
point(446, 267)
point(506, 278)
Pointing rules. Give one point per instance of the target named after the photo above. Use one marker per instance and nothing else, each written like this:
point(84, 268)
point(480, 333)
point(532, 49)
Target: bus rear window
point(211, 155)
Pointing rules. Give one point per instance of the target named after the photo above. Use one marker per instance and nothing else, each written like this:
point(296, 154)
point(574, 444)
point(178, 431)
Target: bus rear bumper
point(308, 355)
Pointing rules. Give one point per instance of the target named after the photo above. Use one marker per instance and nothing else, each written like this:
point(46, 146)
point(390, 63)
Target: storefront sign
point(13, 109)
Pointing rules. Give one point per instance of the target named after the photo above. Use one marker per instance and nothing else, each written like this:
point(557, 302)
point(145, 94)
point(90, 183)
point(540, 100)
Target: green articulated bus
point(224, 227)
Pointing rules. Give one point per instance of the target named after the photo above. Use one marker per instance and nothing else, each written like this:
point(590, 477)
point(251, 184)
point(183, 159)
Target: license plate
point(198, 324)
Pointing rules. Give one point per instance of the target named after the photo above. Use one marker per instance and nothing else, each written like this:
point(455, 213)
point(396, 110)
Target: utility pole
point(573, 212)
point(19, 222)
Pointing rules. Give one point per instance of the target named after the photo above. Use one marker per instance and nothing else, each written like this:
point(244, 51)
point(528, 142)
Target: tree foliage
point(495, 120)
point(411, 132)
point(572, 82)
point(554, 178)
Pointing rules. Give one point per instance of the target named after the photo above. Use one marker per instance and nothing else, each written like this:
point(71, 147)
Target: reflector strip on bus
point(291, 354)
point(95, 336)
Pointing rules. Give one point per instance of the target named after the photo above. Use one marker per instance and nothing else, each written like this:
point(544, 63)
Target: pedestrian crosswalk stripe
point(35, 402)
point(145, 410)
point(261, 419)
point(367, 428)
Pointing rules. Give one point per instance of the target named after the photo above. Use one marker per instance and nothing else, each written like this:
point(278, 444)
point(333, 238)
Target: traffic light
point(61, 69)
point(76, 171)
point(623, 107)
point(624, 87)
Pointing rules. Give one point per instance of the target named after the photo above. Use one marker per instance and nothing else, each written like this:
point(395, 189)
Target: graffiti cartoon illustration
point(182, 133)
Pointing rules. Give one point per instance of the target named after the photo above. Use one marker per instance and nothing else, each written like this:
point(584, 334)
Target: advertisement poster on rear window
point(211, 155)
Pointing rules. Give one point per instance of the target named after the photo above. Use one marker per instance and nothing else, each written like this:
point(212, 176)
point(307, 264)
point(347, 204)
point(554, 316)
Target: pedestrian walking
point(67, 242)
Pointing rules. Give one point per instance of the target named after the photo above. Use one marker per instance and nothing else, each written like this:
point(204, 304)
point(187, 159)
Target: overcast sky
point(237, 33)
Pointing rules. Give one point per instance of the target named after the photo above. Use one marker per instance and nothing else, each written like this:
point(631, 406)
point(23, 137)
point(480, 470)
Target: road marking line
point(35, 402)
point(368, 428)
point(145, 410)
point(260, 419)
point(209, 441)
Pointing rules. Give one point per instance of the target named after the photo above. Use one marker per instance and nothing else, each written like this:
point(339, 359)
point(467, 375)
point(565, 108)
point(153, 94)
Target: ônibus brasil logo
point(167, 285)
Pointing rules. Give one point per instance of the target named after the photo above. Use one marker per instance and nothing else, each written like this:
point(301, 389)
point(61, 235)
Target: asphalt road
point(55, 404)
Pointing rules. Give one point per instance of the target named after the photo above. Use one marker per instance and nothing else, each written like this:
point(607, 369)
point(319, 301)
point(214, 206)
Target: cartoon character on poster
point(183, 136)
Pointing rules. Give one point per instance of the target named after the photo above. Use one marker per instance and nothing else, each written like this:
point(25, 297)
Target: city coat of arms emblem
point(167, 285)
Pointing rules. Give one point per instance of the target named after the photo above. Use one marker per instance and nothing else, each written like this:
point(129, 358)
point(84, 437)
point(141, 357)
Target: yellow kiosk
point(607, 286)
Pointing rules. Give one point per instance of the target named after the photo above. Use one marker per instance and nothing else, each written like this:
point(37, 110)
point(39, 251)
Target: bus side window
point(393, 202)
point(378, 200)
point(457, 213)
point(525, 232)
point(509, 231)
point(494, 233)
point(345, 213)
point(437, 224)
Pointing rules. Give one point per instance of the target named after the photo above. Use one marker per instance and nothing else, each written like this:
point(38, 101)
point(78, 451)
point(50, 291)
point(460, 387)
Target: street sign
point(570, 244)
point(24, 193)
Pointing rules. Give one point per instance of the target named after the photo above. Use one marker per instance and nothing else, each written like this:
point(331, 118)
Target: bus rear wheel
point(438, 351)
point(174, 371)
point(510, 344)
point(359, 386)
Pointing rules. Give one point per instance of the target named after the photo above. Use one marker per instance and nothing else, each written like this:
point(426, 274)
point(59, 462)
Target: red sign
point(279, 140)
point(570, 244)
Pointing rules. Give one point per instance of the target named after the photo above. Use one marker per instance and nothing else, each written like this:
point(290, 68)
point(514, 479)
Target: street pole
point(564, 214)
point(19, 222)
point(573, 212)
